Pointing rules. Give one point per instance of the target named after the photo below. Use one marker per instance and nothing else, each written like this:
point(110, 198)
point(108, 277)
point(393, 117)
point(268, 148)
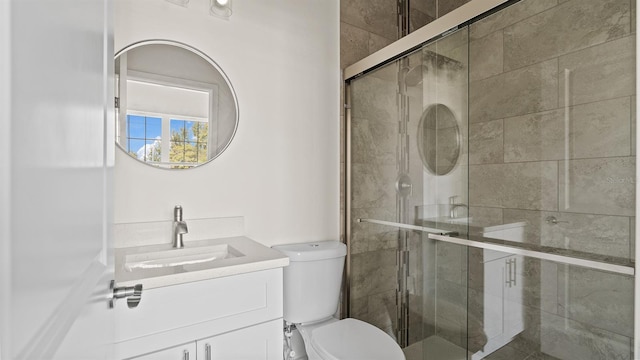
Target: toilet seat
point(349, 339)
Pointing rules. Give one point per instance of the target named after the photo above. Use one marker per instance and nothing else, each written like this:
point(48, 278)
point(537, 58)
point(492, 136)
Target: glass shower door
point(515, 138)
point(408, 172)
point(552, 169)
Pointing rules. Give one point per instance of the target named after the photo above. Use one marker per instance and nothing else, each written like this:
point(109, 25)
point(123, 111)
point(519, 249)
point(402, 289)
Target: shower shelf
point(564, 256)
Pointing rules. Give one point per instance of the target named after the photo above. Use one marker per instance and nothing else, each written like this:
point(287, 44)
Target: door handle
point(185, 355)
point(133, 294)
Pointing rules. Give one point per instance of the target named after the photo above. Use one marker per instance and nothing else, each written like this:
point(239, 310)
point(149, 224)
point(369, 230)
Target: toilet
point(311, 293)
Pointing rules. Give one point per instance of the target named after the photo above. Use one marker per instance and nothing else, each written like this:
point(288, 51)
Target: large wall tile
point(598, 186)
point(486, 143)
point(595, 130)
point(597, 234)
point(451, 312)
point(446, 6)
point(597, 298)
point(571, 340)
point(532, 220)
point(418, 19)
point(359, 308)
point(600, 72)
point(354, 44)
point(375, 97)
point(523, 91)
point(571, 26)
point(426, 6)
point(451, 263)
point(485, 216)
point(486, 56)
point(373, 142)
point(373, 186)
point(531, 185)
point(485, 185)
point(370, 237)
point(382, 310)
point(509, 16)
point(373, 272)
point(376, 16)
point(377, 42)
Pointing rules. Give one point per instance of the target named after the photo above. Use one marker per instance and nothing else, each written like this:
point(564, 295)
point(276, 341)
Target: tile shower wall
point(550, 108)
point(367, 26)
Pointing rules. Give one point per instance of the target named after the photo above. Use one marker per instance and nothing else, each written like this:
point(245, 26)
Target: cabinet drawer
point(182, 352)
point(180, 313)
point(259, 342)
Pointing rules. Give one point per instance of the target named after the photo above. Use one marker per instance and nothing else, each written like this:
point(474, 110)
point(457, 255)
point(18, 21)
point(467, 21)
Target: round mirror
point(175, 107)
point(439, 139)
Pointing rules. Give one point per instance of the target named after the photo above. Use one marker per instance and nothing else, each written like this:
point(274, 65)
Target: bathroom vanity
point(201, 304)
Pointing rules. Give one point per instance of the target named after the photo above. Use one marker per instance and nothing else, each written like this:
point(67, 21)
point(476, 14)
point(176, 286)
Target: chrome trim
point(409, 227)
point(636, 309)
point(448, 237)
point(438, 27)
point(346, 290)
point(592, 264)
point(215, 65)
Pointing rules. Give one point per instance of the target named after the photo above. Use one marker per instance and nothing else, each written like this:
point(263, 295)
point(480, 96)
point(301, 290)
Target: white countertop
point(255, 257)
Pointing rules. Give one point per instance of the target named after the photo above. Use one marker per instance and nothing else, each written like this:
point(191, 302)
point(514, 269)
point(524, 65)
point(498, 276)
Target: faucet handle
point(177, 213)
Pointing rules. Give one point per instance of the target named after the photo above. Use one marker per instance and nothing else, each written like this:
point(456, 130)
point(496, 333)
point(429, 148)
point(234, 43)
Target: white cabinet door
point(182, 352)
point(259, 342)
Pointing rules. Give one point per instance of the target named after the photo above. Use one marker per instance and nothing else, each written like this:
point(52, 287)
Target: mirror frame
point(215, 66)
point(421, 144)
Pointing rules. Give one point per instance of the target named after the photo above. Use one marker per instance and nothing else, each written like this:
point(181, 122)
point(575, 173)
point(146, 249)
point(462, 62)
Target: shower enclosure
point(491, 178)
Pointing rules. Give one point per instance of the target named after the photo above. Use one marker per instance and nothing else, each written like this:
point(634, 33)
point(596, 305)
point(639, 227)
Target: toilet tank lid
point(312, 251)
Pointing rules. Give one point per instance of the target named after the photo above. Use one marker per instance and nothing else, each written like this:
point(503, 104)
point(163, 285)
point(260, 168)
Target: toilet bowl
point(348, 339)
point(312, 284)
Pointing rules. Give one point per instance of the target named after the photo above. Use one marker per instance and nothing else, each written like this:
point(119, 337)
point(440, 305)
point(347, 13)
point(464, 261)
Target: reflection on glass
point(439, 139)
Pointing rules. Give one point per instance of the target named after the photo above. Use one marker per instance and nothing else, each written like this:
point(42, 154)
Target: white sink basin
point(180, 257)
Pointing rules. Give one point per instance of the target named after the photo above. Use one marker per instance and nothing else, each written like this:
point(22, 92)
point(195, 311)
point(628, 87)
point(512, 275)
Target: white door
point(56, 160)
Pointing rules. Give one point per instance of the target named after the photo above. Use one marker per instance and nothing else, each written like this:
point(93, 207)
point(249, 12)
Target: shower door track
point(449, 237)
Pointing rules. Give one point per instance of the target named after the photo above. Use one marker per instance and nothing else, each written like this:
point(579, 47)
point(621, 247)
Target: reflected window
point(167, 124)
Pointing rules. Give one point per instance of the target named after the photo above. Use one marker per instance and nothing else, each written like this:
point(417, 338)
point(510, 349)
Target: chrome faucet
point(453, 206)
point(179, 227)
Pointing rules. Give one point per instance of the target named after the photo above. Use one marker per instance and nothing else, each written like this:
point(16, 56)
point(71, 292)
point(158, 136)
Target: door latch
point(133, 294)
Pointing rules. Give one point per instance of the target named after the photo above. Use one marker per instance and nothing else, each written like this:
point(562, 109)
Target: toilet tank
point(312, 280)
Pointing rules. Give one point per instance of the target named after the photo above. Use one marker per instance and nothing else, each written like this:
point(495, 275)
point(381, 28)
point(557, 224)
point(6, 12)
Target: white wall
point(281, 171)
